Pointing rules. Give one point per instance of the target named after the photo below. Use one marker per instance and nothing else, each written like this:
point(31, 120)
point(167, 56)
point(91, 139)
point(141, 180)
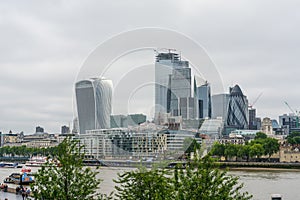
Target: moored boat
point(19, 179)
point(8, 165)
point(36, 161)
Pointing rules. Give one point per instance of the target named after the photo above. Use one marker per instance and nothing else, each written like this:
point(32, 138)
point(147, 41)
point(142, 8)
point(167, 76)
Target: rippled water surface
point(259, 183)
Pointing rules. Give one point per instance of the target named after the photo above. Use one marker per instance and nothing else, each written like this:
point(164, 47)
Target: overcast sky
point(43, 45)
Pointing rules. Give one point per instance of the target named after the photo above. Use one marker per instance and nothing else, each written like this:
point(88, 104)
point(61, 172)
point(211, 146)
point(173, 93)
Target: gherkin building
point(237, 115)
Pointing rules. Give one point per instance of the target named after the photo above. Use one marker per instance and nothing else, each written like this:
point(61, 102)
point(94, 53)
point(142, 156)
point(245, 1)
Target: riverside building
point(136, 143)
point(121, 143)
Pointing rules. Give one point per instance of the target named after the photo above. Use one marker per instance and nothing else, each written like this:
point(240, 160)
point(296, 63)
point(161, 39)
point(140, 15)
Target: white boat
point(36, 161)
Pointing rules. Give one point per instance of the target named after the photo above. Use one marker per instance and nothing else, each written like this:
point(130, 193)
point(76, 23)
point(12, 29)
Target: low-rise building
point(37, 140)
point(266, 126)
point(10, 138)
point(122, 143)
point(44, 143)
point(289, 153)
point(232, 139)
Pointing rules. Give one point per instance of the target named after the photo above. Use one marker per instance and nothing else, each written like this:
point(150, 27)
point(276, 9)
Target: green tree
point(243, 151)
point(246, 151)
point(230, 151)
point(270, 146)
point(293, 138)
point(70, 180)
point(199, 180)
point(218, 149)
point(143, 184)
point(256, 150)
point(260, 135)
point(203, 180)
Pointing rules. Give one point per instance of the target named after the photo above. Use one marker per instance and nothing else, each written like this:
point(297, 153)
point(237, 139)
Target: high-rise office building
point(39, 129)
point(258, 123)
point(65, 129)
point(252, 119)
point(180, 89)
point(94, 99)
point(173, 90)
point(289, 123)
point(164, 65)
point(220, 104)
point(204, 101)
point(237, 116)
point(75, 125)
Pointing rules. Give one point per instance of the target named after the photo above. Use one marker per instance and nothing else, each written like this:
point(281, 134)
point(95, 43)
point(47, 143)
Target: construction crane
point(296, 113)
point(252, 104)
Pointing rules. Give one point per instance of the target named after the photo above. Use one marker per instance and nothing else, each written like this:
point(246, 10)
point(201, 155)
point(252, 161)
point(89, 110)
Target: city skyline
point(253, 44)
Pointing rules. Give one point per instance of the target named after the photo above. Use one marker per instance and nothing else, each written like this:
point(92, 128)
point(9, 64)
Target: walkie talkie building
point(93, 99)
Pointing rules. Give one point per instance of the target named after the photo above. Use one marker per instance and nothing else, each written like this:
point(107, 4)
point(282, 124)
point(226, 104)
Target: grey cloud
point(43, 45)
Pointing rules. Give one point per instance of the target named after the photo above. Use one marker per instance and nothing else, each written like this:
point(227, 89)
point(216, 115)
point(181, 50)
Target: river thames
point(261, 184)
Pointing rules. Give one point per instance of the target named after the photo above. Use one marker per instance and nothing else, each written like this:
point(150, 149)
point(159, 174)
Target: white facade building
point(122, 143)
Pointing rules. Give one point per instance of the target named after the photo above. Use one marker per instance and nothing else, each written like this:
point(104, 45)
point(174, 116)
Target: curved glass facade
point(93, 98)
point(238, 116)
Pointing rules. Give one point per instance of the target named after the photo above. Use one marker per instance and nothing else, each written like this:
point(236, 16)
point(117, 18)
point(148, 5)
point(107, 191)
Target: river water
point(261, 184)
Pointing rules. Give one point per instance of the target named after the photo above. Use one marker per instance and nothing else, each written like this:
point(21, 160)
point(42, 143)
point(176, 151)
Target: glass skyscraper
point(238, 116)
point(173, 91)
point(220, 104)
point(93, 98)
point(204, 101)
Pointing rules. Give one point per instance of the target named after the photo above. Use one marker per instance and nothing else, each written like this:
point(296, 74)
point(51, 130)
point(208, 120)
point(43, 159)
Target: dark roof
point(236, 91)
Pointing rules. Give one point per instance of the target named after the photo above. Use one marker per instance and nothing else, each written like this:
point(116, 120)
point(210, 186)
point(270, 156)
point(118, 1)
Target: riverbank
point(260, 166)
point(231, 165)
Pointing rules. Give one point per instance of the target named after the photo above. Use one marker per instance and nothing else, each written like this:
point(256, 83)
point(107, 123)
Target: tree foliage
point(27, 151)
point(256, 150)
point(199, 180)
point(271, 146)
point(190, 145)
point(144, 184)
point(260, 135)
point(261, 145)
point(293, 138)
point(218, 149)
point(230, 151)
point(69, 181)
point(203, 180)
